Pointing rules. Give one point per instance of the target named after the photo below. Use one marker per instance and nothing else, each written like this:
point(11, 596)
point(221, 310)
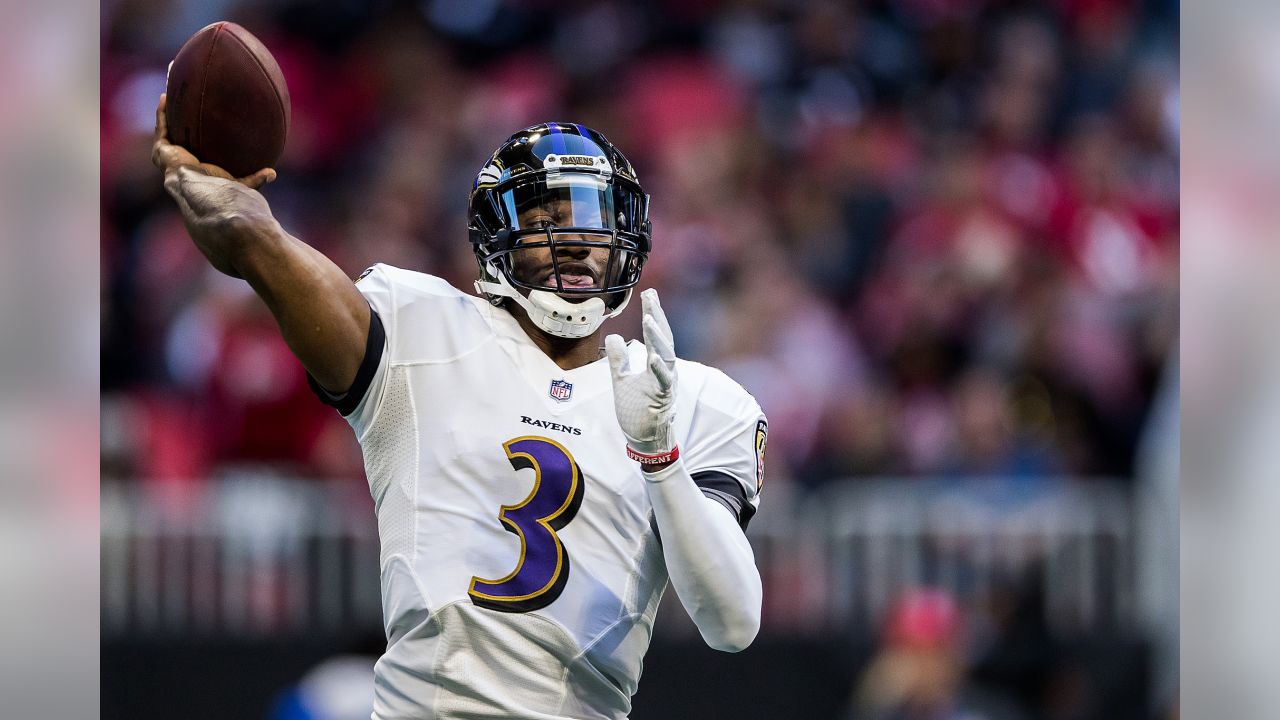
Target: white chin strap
point(553, 313)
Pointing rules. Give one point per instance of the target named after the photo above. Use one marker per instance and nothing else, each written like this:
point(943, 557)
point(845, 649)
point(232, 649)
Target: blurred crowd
point(931, 236)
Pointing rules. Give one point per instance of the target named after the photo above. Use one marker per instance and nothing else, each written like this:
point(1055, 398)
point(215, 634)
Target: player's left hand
point(645, 398)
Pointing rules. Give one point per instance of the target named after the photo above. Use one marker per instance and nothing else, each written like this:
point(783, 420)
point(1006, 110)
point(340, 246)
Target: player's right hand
point(170, 157)
point(219, 211)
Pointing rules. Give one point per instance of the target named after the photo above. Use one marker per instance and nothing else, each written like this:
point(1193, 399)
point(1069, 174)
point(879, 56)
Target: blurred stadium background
point(937, 239)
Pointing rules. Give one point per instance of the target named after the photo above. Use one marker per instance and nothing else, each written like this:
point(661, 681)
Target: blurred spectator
point(919, 671)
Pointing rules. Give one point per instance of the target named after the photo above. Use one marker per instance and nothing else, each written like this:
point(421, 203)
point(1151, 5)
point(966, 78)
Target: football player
point(534, 495)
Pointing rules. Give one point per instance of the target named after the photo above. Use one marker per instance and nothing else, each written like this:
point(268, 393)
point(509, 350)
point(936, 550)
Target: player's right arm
point(323, 317)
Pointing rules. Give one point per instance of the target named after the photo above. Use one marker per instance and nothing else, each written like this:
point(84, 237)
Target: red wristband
point(666, 457)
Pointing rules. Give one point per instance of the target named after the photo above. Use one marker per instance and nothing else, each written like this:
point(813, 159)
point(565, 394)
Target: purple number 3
point(543, 569)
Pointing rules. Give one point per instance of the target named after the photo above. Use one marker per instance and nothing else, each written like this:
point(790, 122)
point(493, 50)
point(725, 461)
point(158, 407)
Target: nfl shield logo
point(561, 390)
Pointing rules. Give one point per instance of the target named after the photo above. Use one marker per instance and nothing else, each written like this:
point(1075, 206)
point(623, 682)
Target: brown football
point(227, 100)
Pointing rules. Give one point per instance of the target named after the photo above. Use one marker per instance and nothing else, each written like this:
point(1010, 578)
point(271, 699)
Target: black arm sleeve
point(728, 492)
point(346, 402)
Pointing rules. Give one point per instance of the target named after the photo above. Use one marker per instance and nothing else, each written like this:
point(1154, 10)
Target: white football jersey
point(520, 565)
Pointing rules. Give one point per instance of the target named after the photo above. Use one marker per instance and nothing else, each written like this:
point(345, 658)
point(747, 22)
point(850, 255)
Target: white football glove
point(645, 399)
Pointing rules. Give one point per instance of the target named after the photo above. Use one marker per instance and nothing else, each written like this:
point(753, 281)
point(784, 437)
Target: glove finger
point(658, 339)
point(662, 371)
point(653, 308)
point(616, 349)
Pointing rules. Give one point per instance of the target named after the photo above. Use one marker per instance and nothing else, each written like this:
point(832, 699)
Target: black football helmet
point(559, 186)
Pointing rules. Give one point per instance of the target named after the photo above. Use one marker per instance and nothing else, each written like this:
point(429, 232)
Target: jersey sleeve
point(360, 402)
point(724, 447)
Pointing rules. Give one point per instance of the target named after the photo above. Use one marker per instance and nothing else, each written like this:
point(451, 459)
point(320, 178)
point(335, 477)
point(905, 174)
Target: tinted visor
point(570, 200)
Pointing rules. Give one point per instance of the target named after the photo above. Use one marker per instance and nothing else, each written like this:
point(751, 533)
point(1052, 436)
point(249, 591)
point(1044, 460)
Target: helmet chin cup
point(552, 313)
point(562, 318)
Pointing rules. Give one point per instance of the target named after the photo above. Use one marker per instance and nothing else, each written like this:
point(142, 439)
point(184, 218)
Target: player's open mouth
point(577, 281)
point(572, 275)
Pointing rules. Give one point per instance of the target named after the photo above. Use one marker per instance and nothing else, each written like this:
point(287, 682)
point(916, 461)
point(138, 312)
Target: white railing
point(836, 559)
point(255, 555)
point(260, 555)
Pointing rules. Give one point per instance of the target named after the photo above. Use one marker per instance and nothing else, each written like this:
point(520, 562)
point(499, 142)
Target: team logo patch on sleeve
point(561, 390)
point(762, 437)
